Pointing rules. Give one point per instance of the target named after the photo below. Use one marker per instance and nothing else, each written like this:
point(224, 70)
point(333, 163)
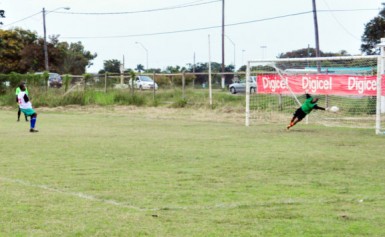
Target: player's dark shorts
point(299, 114)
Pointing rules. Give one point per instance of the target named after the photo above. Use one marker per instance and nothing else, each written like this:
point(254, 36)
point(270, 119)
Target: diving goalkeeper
point(305, 109)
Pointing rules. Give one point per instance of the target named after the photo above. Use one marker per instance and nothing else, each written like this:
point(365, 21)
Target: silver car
point(241, 86)
point(54, 79)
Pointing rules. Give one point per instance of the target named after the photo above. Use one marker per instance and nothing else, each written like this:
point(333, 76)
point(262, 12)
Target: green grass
point(127, 171)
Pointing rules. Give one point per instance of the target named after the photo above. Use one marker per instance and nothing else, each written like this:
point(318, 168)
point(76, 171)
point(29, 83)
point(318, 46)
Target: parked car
point(241, 86)
point(143, 83)
point(54, 79)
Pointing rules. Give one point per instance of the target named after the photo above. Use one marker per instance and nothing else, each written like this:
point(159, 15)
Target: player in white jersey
point(17, 101)
point(25, 106)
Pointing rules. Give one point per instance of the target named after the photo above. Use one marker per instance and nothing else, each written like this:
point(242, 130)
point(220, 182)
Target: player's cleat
point(33, 130)
point(288, 127)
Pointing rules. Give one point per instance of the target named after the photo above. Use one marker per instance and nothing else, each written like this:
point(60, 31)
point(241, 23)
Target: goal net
point(353, 84)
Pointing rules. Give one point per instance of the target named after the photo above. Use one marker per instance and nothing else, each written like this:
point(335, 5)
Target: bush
point(8, 99)
point(67, 80)
point(171, 81)
point(76, 98)
point(372, 101)
point(87, 79)
point(127, 99)
point(163, 81)
point(3, 80)
point(43, 96)
point(181, 103)
point(13, 80)
point(177, 80)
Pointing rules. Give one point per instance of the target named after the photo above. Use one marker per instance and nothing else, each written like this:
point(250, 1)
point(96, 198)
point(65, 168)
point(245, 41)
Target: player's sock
point(33, 122)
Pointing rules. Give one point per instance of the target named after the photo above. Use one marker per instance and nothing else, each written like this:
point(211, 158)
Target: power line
point(142, 11)
point(349, 10)
point(208, 27)
point(23, 19)
point(342, 26)
point(191, 4)
point(187, 30)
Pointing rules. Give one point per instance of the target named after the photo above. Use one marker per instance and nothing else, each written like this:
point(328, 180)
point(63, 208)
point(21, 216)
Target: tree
point(154, 70)
point(310, 52)
point(12, 44)
point(299, 53)
point(32, 58)
point(112, 66)
point(68, 58)
point(2, 15)
point(242, 68)
point(21, 51)
point(215, 68)
point(176, 69)
point(139, 68)
point(76, 58)
point(374, 31)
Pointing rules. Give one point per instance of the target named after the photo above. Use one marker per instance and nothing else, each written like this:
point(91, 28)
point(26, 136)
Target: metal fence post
point(105, 82)
point(183, 84)
point(153, 76)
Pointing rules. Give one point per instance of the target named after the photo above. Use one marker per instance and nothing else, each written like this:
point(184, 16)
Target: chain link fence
point(175, 89)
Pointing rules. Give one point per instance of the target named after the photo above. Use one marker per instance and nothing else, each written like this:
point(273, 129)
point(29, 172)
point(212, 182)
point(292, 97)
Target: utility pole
point(317, 51)
point(45, 43)
point(223, 44)
point(210, 79)
point(317, 48)
point(194, 63)
point(194, 70)
point(122, 72)
point(46, 64)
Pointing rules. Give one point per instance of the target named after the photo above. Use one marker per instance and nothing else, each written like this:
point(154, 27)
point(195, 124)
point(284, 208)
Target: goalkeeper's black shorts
point(299, 114)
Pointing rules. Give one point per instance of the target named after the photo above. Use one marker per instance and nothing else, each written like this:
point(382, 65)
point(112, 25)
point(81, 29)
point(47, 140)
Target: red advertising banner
point(319, 84)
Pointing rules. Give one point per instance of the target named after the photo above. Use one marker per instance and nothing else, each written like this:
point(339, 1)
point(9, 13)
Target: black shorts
point(299, 114)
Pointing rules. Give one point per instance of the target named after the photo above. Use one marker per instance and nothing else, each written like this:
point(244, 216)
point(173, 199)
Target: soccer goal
point(352, 84)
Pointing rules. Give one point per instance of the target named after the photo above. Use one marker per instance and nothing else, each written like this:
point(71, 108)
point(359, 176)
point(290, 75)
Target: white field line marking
point(217, 206)
point(74, 194)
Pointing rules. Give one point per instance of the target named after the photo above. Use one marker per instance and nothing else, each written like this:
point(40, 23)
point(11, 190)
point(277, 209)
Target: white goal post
point(355, 84)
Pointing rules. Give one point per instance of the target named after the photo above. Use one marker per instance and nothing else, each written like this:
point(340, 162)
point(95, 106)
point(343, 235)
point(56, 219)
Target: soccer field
point(184, 172)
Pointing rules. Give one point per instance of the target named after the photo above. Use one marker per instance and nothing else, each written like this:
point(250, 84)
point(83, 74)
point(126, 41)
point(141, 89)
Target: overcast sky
point(173, 31)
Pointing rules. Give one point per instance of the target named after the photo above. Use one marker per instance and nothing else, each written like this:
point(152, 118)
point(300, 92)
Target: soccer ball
point(334, 109)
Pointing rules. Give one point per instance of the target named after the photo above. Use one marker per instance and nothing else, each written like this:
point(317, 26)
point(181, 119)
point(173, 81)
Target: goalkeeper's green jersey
point(308, 106)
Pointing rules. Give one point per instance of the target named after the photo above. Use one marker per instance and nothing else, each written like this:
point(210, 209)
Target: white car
point(143, 83)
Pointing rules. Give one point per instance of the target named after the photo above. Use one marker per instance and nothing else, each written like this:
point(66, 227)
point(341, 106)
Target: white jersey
point(23, 104)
